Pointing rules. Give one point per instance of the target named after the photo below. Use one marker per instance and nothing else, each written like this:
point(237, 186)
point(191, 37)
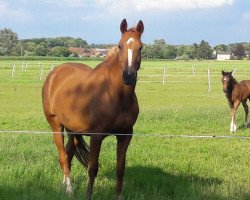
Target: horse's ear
point(124, 26)
point(140, 27)
point(222, 72)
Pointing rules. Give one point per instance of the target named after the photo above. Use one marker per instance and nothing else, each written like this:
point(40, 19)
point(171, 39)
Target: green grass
point(158, 167)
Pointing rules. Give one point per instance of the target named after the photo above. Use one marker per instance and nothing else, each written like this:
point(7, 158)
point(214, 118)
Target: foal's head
point(130, 47)
point(227, 80)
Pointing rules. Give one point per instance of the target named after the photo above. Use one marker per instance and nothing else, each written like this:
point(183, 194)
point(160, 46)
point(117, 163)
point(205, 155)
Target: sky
point(98, 21)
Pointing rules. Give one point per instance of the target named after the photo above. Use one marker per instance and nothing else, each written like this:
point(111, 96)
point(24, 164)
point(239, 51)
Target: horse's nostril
point(129, 77)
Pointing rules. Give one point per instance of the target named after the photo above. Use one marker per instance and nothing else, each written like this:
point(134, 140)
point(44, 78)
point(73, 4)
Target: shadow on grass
point(152, 183)
point(141, 183)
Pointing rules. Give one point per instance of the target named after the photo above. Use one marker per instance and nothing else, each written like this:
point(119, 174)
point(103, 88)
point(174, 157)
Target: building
point(224, 56)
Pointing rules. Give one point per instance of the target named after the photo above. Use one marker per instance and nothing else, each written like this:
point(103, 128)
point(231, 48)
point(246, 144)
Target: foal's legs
point(95, 147)
point(122, 146)
point(233, 110)
point(244, 103)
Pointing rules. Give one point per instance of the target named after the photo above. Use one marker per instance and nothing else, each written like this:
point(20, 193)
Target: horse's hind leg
point(244, 103)
point(70, 148)
point(58, 137)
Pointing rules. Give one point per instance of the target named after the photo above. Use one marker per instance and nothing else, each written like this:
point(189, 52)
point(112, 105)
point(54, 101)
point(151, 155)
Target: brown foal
point(236, 93)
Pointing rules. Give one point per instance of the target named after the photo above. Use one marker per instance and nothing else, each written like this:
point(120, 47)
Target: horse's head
point(130, 47)
point(226, 79)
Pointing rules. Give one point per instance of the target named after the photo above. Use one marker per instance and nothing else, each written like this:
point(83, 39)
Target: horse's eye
point(119, 46)
point(140, 48)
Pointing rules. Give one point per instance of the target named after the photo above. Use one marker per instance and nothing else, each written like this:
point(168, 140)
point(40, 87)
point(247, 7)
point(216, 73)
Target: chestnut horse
point(236, 93)
point(102, 100)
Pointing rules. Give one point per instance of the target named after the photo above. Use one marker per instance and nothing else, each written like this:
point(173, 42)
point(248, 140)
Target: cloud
point(161, 5)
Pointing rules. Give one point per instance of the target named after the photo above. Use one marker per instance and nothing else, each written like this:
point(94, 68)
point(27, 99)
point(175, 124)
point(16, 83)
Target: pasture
point(158, 166)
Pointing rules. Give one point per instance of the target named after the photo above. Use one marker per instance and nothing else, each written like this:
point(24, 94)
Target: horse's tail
point(82, 151)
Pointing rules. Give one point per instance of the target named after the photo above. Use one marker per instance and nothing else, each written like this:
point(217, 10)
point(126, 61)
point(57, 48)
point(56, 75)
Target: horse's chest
point(124, 121)
point(116, 117)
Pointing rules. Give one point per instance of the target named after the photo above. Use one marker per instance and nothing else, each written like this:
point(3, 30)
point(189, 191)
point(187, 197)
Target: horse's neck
point(113, 70)
point(230, 88)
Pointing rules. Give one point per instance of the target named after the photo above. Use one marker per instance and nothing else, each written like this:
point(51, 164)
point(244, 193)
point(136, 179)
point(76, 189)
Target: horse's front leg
point(122, 146)
point(233, 126)
point(244, 104)
point(95, 147)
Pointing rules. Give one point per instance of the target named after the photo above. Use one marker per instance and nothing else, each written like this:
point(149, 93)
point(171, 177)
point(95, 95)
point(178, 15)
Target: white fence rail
point(162, 75)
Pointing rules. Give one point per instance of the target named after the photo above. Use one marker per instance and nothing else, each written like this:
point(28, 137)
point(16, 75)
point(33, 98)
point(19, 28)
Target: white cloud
point(163, 5)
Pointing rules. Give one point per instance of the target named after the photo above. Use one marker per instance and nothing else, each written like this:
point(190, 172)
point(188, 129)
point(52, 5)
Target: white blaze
point(130, 56)
point(130, 52)
point(130, 40)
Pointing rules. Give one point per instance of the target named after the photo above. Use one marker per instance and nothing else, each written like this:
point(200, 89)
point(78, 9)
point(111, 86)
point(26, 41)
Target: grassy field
point(158, 167)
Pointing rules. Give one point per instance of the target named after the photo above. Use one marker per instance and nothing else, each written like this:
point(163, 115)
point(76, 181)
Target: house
point(224, 56)
point(88, 52)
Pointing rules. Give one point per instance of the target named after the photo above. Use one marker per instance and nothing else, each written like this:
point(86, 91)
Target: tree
point(204, 50)
point(239, 51)
point(59, 52)
point(190, 51)
point(147, 51)
point(221, 48)
point(170, 52)
point(41, 49)
point(247, 48)
point(8, 42)
point(181, 50)
point(29, 46)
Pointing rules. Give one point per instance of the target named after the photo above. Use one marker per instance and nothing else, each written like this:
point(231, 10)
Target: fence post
point(209, 80)
point(164, 75)
point(13, 70)
point(234, 71)
point(26, 65)
point(193, 70)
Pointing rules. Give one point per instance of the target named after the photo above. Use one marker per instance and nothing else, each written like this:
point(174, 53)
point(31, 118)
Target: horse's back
point(245, 89)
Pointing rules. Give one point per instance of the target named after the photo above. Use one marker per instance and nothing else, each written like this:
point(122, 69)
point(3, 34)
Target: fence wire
point(163, 135)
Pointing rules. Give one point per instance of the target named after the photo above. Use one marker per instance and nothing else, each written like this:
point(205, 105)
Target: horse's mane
point(114, 49)
point(111, 52)
point(232, 82)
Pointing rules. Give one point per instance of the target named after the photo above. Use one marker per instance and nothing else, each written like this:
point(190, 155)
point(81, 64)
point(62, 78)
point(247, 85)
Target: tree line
point(10, 45)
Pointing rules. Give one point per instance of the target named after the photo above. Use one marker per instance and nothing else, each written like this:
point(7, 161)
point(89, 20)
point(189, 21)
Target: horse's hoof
point(245, 124)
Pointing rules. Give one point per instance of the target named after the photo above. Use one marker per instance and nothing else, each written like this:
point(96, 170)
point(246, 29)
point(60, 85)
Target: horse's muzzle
point(129, 77)
point(224, 90)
